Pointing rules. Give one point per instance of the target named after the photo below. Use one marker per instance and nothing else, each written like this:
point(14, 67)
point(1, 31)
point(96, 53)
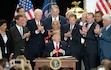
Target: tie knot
point(71, 27)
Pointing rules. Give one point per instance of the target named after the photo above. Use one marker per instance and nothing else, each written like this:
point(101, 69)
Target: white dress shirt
point(57, 18)
point(5, 38)
point(20, 29)
point(81, 23)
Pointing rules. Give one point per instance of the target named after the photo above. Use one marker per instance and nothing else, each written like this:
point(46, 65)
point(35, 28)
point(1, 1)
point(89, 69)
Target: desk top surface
point(48, 59)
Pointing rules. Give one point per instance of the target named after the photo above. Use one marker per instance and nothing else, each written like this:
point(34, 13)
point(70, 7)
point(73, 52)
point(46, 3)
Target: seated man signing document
point(56, 47)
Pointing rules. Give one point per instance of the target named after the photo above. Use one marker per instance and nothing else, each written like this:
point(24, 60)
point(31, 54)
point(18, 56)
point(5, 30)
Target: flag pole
point(51, 3)
point(23, 4)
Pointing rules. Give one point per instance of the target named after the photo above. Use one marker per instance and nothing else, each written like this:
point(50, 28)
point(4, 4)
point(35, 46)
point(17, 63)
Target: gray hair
point(37, 10)
point(107, 17)
point(54, 6)
point(70, 11)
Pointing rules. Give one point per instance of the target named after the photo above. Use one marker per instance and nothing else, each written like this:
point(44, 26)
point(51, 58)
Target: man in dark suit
point(104, 38)
point(70, 34)
point(56, 47)
point(54, 16)
point(38, 32)
point(19, 34)
point(90, 42)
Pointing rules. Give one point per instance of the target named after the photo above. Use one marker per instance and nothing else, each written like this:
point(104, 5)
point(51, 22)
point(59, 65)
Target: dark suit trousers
point(89, 59)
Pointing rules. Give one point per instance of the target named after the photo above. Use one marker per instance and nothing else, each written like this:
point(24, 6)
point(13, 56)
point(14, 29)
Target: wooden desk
point(67, 62)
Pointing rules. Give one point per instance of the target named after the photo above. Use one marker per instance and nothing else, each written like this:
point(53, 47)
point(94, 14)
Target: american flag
point(28, 7)
point(104, 6)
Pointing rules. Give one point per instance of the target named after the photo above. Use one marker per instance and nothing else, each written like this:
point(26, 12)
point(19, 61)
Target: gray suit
point(18, 42)
point(105, 44)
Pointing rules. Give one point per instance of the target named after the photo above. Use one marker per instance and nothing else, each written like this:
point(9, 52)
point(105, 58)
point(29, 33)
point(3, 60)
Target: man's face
point(98, 17)
point(20, 21)
point(56, 37)
point(72, 20)
point(83, 18)
point(55, 12)
point(38, 15)
point(21, 11)
point(68, 14)
point(90, 18)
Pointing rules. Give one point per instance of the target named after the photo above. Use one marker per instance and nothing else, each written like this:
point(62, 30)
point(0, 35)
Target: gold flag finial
point(76, 3)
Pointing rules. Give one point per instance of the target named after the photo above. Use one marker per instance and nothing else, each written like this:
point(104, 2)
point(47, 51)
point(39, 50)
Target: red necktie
point(57, 49)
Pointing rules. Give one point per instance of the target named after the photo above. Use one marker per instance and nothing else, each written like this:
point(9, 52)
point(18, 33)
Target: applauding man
point(104, 38)
point(38, 32)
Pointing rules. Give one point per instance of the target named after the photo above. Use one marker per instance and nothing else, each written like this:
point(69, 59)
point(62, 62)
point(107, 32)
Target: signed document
point(61, 57)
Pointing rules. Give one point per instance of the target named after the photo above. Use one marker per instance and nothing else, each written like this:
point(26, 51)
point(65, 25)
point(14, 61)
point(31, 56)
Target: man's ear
point(52, 38)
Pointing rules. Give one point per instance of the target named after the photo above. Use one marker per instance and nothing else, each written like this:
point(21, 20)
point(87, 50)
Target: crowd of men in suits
point(87, 39)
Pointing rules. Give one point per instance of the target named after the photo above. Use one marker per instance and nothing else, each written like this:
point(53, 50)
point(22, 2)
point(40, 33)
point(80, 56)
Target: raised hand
point(84, 29)
point(97, 30)
point(68, 34)
point(26, 35)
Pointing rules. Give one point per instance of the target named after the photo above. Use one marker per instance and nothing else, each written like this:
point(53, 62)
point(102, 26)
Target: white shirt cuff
point(70, 38)
point(51, 54)
point(64, 53)
point(27, 39)
point(36, 32)
point(43, 31)
point(82, 40)
point(100, 35)
point(65, 38)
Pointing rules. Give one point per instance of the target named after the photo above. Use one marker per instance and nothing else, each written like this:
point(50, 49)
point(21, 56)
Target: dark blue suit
point(48, 22)
point(49, 47)
point(91, 48)
point(36, 41)
point(75, 43)
point(105, 44)
point(17, 41)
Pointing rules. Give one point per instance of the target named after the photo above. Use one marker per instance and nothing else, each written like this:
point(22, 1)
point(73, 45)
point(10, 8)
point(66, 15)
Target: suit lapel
point(24, 30)
point(109, 29)
point(91, 27)
point(59, 19)
point(68, 27)
point(16, 30)
point(52, 44)
point(1, 39)
point(35, 25)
